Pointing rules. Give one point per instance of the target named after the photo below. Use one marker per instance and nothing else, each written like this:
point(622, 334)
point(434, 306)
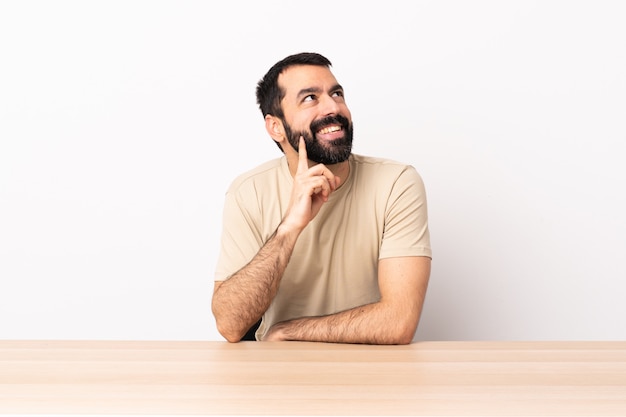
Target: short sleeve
point(406, 231)
point(240, 240)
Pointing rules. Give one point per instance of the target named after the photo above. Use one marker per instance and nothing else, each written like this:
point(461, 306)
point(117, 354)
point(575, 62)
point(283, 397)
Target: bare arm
point(242, 299)
point(392, 320)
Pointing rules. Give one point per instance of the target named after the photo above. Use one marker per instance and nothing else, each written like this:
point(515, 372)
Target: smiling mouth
point(329, 129)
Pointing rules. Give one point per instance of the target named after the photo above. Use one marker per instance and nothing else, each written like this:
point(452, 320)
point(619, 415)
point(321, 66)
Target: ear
point(274, 127)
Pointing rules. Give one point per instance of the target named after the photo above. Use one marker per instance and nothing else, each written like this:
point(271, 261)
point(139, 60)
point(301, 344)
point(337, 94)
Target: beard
point(322, 152)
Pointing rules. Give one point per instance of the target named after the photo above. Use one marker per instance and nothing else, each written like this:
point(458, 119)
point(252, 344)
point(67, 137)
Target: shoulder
point(383, 168)
point(261, 174)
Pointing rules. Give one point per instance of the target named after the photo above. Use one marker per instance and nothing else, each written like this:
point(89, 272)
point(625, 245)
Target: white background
point(123, 122)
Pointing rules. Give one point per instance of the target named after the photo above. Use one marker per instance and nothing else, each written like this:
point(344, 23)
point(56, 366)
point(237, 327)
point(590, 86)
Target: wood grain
point(297, 378)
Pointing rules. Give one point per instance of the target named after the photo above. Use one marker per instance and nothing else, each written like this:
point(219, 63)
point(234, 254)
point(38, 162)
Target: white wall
point(122, 123)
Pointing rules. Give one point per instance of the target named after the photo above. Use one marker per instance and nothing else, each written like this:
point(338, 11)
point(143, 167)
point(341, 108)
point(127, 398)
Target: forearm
point(242, 299)
point(374, 323)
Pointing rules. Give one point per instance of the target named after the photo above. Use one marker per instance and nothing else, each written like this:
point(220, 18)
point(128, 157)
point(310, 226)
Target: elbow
point(229, 334)
point(399, 337)
point(225, 324)
point(226, 328)
point(404, 339)
point(407, 328)
point(405, 333)
point(231, 338)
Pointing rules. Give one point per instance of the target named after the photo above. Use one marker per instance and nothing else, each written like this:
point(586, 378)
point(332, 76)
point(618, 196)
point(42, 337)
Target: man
point(322, 244)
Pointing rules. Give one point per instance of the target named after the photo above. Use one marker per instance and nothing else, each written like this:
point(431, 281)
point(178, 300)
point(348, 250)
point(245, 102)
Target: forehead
point(299, 77)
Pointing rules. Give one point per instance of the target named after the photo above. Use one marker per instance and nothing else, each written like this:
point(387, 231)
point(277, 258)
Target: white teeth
point(330, 129)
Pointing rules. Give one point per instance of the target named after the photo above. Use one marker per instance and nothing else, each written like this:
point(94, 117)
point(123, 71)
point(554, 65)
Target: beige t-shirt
point(379, 212)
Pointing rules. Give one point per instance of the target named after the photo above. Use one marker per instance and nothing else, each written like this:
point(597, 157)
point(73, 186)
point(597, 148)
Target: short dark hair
point(269, 94)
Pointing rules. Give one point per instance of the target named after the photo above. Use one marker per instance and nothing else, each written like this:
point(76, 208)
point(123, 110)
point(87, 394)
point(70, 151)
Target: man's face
point(315, 109)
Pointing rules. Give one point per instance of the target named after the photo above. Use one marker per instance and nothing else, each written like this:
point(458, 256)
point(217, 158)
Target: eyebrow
point(307, 91)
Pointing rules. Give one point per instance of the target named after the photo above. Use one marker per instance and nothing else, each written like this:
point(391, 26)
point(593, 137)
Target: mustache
point(330, 120)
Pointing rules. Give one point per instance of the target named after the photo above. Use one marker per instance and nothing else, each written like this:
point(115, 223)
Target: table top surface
point(298, 378)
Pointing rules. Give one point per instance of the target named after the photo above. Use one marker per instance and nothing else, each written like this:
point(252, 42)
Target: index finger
point(303, 162)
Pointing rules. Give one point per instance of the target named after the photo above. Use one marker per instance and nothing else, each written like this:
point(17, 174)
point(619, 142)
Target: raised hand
point(311, 188)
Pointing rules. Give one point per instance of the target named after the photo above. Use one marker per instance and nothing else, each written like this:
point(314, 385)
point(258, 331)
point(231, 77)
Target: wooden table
point(296, 378)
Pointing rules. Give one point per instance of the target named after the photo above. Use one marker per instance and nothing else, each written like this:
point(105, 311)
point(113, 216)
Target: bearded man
point(320, 244)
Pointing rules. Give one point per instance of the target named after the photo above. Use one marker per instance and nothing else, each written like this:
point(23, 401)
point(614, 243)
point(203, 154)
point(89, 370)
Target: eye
point(338, 93)
point(310, 97)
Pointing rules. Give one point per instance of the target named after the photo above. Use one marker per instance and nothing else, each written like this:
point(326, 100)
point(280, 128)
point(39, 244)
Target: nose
point(329, 105)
